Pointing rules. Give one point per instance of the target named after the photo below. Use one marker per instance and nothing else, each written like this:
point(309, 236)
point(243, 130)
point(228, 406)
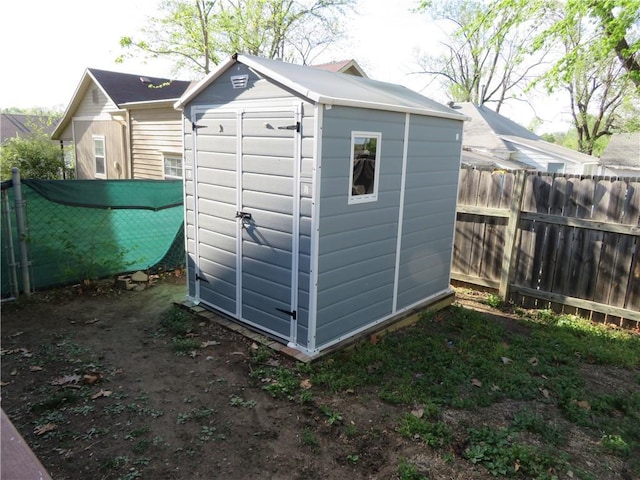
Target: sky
point(46, 46)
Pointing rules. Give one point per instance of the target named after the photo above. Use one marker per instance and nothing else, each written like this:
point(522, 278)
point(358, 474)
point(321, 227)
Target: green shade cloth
point(88, 229)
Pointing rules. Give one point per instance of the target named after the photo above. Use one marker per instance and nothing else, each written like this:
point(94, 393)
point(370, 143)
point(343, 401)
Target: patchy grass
point(462, 360)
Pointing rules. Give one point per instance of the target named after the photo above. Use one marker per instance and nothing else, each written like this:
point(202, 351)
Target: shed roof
point(330, 88)
point(123, 89)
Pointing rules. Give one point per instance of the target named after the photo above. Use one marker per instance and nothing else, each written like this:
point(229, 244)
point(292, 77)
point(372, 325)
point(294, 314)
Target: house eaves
point(552, 150)
point(330, 88)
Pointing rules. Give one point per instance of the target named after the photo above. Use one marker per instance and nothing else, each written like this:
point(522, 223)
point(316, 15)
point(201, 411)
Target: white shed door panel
point(260, 205)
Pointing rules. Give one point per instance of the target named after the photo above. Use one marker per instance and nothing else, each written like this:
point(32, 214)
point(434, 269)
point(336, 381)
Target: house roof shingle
point(21, 125)
point(623, 150)
point(123, 89)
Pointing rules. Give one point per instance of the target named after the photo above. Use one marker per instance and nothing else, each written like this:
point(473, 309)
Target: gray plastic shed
point(318, 205)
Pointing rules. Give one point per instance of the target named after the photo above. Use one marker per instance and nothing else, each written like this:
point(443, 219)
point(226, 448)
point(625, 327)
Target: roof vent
point(239, 81)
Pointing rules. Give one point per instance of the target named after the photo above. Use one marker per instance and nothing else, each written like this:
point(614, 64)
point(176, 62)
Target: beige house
point(124, 126)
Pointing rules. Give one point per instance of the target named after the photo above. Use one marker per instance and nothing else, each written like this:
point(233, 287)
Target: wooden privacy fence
point(543, 240)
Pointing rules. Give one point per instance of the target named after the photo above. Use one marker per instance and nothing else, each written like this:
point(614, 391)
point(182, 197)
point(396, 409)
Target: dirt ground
point(135, 409)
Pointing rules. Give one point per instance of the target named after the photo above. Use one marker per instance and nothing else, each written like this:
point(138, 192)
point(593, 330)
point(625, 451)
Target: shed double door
point(246, 215)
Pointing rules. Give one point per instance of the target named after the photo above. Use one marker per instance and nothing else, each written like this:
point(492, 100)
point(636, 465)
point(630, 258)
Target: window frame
point(367, 197)
point(172, 156)
point(102, 139)
point(561, 170)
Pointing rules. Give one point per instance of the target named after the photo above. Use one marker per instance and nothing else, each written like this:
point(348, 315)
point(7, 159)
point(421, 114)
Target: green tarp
point(89, 229)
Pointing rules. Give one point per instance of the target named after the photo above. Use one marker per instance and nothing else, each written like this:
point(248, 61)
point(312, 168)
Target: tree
point(196, 34)
point(35, 156)
point(614, 23)
point(484, 61)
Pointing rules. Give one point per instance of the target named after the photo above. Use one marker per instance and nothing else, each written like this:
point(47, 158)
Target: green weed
point(434, 434)
point(409, 471)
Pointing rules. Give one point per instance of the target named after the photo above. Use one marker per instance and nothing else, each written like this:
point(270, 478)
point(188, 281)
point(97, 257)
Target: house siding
point(154, 131)
point(115, 156)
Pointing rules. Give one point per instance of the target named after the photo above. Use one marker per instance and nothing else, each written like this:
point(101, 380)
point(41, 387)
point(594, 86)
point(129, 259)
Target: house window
point(99, 156)
point(172, 166)
point(365, 167)
point(555, 167)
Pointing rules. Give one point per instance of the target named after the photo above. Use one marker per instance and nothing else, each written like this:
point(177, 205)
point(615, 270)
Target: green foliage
point(499, 451)
point(409, 471)
point(434, 434)
point(36, 157)
point(196, 34)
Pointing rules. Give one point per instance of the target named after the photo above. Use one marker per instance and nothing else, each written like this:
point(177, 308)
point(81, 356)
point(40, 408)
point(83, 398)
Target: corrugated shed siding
point(114, 148)
point(433, 164)
point(154, 131)
point(357, 243)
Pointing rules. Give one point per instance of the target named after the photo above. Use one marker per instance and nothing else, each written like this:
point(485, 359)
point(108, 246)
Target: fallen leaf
point(101, 393)
point(545, 392)
point(306, 384)
point(505, 360)
point(91, 377)
point(254, 346)
point(4, 384)
point(534, 361)
point(209, 343)
point(14, 372)
point(419, 412)
point(42, 429)
point(17, 334)
point(495, 388)
point(89, 322)
point(475, 382)
point(516, 467)
point(35, 368)
point(583, 404)
point(191, 335)
point(66, 379)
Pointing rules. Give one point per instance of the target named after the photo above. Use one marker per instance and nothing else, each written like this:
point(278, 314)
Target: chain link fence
point(78, 230)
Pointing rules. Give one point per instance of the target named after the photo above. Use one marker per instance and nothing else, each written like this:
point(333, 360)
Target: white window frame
point(100, 138)
point(562, 168)
point(172, 156)
point(370, 197)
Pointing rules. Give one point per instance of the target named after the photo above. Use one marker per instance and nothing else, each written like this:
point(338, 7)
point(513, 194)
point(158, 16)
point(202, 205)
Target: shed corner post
point(510, 238)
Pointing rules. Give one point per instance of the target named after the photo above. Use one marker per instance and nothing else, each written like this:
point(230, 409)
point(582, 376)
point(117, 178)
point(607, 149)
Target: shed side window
point(365, 166)
point(100, 157)
point(172, 166)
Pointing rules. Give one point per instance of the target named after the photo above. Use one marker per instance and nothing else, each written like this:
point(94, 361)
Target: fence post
point(510, 238)
point(22, 237)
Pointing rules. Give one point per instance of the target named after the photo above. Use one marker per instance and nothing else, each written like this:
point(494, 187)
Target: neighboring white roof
point(330, 88)
point(490, 130)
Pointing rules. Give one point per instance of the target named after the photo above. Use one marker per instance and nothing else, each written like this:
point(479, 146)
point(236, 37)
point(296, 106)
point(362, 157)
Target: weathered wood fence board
point(571, 243)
